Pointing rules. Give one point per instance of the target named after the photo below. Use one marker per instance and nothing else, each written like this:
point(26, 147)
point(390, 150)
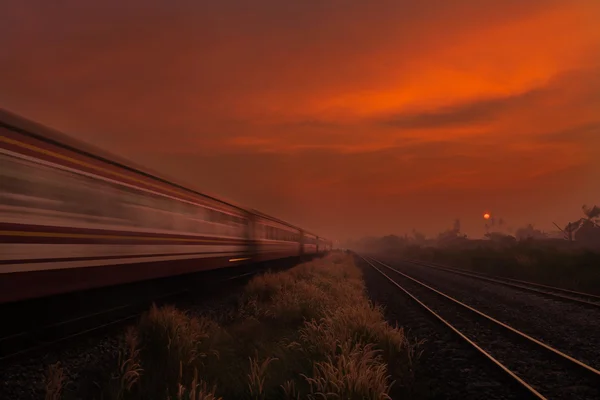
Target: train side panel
point(276, 240)
point(64, 217)
point(71, 220)
point(310, 243)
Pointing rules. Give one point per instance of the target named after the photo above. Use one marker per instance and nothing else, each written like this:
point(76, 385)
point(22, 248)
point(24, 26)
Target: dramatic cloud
point(347, 117)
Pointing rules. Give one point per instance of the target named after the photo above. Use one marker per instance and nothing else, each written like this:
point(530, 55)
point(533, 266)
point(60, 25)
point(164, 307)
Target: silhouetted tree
point(529, 232)
point(419, 237)
point(390, 242)
point(500, 237)
point(571, 228)
point(588, 230)
point(592, 214)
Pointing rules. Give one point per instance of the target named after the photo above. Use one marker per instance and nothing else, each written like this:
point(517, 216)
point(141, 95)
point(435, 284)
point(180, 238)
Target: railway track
point(539, 369)
point(586, 299)
point(29, 342)
point(33, 341)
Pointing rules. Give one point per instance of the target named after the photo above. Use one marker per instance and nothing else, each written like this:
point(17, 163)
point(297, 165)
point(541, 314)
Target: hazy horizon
point(349, 120)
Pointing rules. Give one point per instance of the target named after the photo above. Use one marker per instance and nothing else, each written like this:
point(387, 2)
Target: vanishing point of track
point(529, 362)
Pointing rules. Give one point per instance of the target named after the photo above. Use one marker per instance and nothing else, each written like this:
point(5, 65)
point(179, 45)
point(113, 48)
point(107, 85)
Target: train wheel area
point(263, 330)
point(39, 322)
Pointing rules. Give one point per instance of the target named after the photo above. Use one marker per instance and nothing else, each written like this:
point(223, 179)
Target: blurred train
point(73, 217)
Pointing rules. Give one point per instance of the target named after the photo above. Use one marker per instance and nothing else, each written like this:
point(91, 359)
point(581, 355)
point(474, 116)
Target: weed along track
point(541, 371)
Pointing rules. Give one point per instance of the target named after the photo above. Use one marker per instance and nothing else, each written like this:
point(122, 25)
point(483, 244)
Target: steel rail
point(487, 355)
point(41, 344)
point(502, 324)
point(519, 284)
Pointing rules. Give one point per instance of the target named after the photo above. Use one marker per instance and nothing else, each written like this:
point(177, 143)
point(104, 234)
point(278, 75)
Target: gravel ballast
point(448, 368)
point(552, 321)
point(569, 327)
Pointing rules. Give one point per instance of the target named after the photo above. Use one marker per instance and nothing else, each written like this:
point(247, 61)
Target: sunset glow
point(486, 216)
point(349, 120)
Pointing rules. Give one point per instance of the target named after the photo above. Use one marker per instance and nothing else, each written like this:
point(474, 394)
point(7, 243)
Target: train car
point(310, 243)
point(322, 245)
point(275, 238)
point(73, 218)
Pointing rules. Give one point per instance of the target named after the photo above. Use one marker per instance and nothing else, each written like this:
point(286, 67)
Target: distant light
point(486, 216)
point(238, 259)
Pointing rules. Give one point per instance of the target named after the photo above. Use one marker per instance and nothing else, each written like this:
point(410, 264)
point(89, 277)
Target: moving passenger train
point(73, 217)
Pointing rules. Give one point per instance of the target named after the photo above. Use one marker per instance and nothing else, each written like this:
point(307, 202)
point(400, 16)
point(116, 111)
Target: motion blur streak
point(63, 228)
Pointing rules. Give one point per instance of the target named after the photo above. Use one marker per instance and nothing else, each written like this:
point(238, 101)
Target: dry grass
point(130, 369)
point(289, 390)
point(55, 381)
point(198, 389)
point(309, 332)
point(358, 372)
point(257, 376)
point(175, 346)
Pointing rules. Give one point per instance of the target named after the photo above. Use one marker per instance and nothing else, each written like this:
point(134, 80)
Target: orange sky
point(345, 117)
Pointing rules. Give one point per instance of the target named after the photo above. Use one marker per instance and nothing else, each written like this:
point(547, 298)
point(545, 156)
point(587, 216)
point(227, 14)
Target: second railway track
point(587, 299)
point(544, 372)
point(43, 338)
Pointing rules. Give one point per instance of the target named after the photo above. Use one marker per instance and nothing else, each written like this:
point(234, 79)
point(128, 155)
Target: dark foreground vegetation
point(309, 332)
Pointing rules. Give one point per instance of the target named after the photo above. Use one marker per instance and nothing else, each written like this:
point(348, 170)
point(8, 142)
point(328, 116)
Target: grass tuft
point(174, 341)
point(55, 382)
point(358, 372)
point(257, 376)
point(289, 390)
point(130, 370)
point(198, 389)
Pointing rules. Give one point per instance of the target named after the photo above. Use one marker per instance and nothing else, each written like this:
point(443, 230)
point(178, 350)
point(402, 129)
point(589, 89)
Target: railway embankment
point(310, 331)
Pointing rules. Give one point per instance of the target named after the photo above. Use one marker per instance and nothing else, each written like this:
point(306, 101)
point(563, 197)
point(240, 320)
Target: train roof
point(261, 214)
point(22, 125)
